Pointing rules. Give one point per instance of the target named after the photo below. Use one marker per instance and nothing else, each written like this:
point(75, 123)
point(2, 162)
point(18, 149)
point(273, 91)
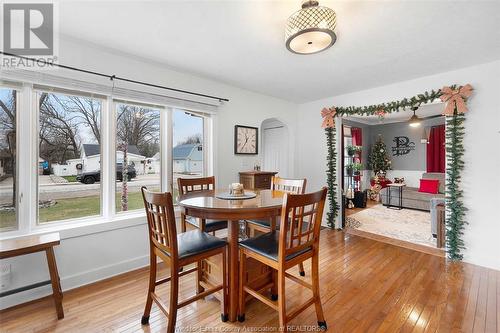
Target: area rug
point(406, 224)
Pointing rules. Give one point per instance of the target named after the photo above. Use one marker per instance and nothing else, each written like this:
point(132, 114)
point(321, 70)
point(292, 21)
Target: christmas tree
point(379, 160)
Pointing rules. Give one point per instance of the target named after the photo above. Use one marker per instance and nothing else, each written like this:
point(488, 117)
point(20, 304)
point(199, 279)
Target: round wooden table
point(205, 205)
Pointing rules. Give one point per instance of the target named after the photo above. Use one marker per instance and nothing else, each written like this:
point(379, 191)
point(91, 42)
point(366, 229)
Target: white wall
point(482, 159)
point(83, 259)
point(412, 177)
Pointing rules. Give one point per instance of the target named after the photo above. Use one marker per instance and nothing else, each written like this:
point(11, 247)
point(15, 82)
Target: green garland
point(331, 176)
point(390, 107)
point(455, 209)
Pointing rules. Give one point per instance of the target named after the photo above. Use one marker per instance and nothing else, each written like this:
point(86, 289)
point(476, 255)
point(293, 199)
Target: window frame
point(15, 181)
point(36, 95)
point(27, 138)
point(112, 157)
point(206, 126)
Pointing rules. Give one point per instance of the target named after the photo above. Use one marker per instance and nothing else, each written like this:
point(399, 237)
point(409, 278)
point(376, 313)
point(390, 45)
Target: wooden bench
point(31, 244)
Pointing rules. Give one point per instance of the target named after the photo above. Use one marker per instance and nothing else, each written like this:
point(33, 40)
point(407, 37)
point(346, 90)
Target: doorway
point(384, 163)
point(275, 143)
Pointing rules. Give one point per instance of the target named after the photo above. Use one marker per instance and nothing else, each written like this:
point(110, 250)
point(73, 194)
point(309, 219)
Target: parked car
point(95, 176)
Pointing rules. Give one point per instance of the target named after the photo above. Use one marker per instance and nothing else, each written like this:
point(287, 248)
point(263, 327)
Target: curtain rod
point(114, 77)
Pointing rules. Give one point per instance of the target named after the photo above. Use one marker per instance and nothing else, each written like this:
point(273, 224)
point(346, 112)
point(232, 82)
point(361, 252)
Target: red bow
point(455, 99)
point(380, 113)
point(328, 115)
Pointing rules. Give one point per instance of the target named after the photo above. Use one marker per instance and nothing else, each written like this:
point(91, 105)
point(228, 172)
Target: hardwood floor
point(369, 204)
point(366, 286)
point(409, 245)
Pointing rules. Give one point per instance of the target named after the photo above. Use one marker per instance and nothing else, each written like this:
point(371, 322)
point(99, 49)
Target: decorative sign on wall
point(402, 146)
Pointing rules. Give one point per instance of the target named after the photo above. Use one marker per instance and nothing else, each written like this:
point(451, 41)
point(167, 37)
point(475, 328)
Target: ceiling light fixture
point(310, 30)
point(414, 121)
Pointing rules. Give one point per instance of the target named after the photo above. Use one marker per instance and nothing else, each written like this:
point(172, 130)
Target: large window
point(77, 157)
point(138, 157)
point(187, 154)
point(69, 161)
point(8, 179)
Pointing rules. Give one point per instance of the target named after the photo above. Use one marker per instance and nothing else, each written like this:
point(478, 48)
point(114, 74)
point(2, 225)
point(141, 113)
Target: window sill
point(86, 226)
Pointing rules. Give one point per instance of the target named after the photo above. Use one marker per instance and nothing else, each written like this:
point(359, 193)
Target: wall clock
point(246, 140)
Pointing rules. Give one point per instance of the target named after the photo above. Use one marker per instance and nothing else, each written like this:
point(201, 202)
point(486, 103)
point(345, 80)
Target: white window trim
point(27, 164)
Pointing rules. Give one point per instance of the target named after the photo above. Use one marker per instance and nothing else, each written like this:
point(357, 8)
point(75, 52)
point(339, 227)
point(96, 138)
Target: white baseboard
point(76, 280)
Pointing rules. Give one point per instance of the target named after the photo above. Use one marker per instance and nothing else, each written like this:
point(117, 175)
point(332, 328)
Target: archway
point(275, 147)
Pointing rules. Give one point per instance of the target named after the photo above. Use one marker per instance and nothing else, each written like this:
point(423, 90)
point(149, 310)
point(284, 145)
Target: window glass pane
point(69, 164)
point(8, 179)
point(187, 152)
point(138, 147)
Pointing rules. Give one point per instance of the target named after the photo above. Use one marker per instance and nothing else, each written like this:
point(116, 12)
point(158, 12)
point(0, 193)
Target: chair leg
point(224, 312)
point(199, 276)
point(183, 222)
point(302, 272)
point(151, 289)
point(281, 300)
point(274, 288)
point(242, 293)
point(56, 282)
point(174, 295)
point(316, 295)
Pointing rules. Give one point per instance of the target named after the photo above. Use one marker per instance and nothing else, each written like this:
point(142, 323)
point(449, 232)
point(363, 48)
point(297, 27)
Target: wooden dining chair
point(296, 241)
point(178, 250)
point(294, 186)
point(193, 186)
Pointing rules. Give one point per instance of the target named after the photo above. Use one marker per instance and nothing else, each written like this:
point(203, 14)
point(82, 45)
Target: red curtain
point(357, 136)
point(436, 150)
point(357, 140)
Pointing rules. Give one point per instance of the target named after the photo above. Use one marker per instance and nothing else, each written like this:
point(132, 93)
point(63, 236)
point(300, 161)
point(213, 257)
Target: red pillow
point(429, 186)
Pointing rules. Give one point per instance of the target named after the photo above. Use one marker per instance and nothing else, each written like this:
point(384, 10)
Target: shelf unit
point(353, 181)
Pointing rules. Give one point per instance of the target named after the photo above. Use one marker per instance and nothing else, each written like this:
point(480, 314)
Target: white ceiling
point(241, 42)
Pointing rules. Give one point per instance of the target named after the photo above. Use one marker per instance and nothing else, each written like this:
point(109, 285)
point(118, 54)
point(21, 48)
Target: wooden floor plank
point(365, 286)
point(491, 303)
point(482, 297)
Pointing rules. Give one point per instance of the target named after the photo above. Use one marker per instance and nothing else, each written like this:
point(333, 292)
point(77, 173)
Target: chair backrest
point(300, 222)
point(295, 186)
point(161, 221)
point(189, 185)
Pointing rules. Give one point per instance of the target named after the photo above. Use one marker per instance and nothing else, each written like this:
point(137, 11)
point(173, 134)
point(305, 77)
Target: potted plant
point(349, 169)
point(357, 168)
point(351, 150)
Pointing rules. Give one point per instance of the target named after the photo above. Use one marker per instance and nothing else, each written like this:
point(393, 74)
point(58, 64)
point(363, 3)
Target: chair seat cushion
point(210, 225)
point(194, 242)
point(267, 245)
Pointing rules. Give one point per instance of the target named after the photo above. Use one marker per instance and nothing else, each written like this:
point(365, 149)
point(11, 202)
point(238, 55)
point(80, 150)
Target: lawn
point(7, 220)
point(73, 208)
point(71, 179)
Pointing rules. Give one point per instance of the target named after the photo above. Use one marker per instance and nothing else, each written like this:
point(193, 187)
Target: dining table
point(266, 205)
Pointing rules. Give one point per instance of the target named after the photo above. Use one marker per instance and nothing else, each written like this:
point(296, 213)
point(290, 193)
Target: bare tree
point(192, 139)
point(8, 129)
point(58, 130)
point(89, 110)
point(139, 126)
